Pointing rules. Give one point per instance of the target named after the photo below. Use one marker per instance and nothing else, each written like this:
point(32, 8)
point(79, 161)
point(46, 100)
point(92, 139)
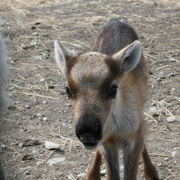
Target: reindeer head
point(93, 80)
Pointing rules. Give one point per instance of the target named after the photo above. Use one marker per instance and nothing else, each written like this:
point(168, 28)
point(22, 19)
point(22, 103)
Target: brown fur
point(114, 122)
point(136, 82)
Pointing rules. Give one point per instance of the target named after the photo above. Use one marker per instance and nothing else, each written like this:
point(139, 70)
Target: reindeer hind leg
point(150, 171)
point(94, 172)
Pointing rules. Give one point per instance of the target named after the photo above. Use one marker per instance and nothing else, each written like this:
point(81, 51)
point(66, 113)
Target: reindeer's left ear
point(129, 56)
point(63, 56)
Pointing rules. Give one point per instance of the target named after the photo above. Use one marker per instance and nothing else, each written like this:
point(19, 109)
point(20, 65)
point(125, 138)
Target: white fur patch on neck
point(124, 118)
point(90, 70)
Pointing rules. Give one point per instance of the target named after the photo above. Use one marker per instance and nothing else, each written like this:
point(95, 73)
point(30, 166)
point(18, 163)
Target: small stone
point(27, 173)
point(51, 146)
point(39, 115)
point(27, 106)
point(171, 119)
point(69, 105)
point(153, 110)
point(35, 34)
point(172, 59)
point(44, 118)
point(166, 158)
point(42, 80)
point(3, 146)
point(103, 172)
point(54, 161)
point(159, 164)
point(69, 177)
point(173, 154)
point(44, 102)
point(81, 175)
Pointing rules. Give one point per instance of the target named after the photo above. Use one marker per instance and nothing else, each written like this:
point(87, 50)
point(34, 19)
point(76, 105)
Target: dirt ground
point(40, 109)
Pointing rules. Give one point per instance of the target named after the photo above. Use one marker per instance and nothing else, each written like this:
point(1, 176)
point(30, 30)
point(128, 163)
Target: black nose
point(89, 130)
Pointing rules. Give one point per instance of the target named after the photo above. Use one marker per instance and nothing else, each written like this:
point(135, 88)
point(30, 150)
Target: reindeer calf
point(108, 88)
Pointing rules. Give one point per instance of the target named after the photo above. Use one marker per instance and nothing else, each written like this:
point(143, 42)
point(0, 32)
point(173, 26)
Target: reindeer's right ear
point(62, 56)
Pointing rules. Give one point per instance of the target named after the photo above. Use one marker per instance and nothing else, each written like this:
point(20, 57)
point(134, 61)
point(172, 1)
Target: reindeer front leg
point(112, 162)
point(94, 172)
point(131, 152)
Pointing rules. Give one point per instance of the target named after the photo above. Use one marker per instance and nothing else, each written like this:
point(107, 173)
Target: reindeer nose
point(89, 131)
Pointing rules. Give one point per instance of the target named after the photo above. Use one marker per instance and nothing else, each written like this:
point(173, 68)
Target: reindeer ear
point(129, 56)
point(62, 56)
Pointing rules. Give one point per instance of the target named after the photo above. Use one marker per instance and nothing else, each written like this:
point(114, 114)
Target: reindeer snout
point(89, 131)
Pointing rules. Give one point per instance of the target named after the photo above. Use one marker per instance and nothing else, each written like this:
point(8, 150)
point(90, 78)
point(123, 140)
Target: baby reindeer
point(108, 88)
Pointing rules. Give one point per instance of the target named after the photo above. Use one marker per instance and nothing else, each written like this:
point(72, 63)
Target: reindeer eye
point(113, 90)
point(69, 93)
